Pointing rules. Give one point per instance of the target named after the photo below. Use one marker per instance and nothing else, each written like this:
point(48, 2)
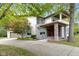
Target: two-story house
point(52, 27)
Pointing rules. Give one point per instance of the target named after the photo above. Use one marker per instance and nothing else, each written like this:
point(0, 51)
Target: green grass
point(13, 51)
point(76, 43)
point(24, 38)
point(75, 27)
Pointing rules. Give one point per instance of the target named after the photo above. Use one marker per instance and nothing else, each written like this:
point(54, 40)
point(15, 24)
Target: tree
point(19, 26)
point(71, 23)
point(4, 9)
point(3, 32)
point(32, 9)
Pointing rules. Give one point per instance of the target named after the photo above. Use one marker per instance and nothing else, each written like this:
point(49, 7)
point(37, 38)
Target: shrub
point(3, 32)
point(20, 27)
point(25, 38)
point(33, 36)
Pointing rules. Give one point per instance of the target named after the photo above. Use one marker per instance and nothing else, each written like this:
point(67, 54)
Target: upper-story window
point(54, 19)
point(40, 21)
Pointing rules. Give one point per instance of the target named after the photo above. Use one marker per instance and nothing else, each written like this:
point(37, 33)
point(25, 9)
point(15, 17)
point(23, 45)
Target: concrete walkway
point(42, 48)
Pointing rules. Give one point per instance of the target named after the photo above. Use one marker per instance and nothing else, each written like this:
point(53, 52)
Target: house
point(54, 26)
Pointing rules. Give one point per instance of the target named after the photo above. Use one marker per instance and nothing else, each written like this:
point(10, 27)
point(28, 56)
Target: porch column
point(56, 32)
point(65, 35)
point(60, 15)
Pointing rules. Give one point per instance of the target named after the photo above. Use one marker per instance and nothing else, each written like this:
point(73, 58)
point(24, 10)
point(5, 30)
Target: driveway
point(43, 48)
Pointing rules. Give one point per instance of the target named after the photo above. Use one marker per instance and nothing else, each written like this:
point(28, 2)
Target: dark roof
point(56, 14)
point(40, 17)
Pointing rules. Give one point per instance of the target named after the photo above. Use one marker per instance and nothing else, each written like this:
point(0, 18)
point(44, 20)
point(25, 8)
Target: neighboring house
point(54, 26)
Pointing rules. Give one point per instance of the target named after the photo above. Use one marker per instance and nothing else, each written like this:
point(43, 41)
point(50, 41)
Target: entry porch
point(56, 30)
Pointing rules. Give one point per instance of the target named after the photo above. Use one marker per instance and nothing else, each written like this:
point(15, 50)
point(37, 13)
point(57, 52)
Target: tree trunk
point(71, 23)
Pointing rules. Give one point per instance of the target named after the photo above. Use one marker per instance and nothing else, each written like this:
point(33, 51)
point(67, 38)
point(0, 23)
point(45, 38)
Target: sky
point(77, 11)
point(77, 6)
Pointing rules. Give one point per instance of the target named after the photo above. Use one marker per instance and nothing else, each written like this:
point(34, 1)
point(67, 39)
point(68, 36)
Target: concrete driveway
point(42, 48)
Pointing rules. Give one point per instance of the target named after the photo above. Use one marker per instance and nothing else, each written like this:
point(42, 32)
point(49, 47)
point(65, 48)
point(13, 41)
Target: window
point(54, 18)
point(42, 33)
point(40, 20)
point(28, 33)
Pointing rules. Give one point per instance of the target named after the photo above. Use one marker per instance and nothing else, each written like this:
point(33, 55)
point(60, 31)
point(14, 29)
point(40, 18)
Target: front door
point(50, 31)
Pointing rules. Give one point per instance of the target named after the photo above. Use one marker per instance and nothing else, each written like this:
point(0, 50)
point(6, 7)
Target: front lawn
point(76, 43)
point(13, 51)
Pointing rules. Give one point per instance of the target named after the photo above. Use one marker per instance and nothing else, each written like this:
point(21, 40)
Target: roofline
point(54, 14)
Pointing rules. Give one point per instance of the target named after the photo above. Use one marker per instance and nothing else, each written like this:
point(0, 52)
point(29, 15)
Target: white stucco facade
point(33, 23)
point(37, 30)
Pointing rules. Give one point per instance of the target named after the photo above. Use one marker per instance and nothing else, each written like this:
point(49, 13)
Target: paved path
point(43, 48)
